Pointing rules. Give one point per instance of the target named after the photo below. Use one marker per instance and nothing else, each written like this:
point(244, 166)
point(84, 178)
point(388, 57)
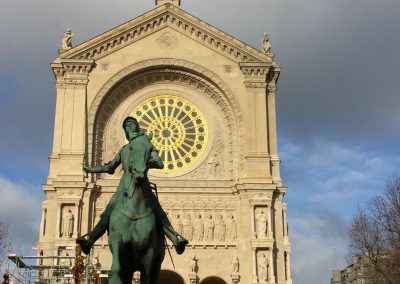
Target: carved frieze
point(203, 224)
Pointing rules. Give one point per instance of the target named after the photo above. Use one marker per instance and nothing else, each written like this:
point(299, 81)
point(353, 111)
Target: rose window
point(180, 131)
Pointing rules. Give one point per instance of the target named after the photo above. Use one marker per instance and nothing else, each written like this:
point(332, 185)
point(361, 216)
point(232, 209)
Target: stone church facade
point(209, 100)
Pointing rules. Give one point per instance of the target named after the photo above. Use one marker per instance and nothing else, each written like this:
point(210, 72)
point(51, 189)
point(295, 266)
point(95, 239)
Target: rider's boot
point(86, 241)
point(178, 241)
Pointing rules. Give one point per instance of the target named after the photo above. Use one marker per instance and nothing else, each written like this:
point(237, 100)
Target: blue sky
point(338, 105)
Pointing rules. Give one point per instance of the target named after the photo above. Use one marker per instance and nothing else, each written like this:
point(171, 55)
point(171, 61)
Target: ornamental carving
point(167, 41)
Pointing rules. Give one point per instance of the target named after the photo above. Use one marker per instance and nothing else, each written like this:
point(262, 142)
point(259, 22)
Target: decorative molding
point(72, 71)
point(255, 74)
point(180, 72)
point(157, 19)
point(167, 41)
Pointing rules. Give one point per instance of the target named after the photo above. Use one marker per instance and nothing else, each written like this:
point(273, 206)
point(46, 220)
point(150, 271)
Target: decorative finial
point(265, 44)
point(66, 42)
point(173, 2)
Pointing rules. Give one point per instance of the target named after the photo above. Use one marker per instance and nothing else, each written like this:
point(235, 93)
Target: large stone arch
point(213, 280)
point(156, 71)
point(170, 277)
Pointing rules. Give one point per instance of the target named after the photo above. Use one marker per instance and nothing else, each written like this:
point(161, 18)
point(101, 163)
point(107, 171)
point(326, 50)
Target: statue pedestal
point(235, 277)
point(192, 278)
point(136, 277)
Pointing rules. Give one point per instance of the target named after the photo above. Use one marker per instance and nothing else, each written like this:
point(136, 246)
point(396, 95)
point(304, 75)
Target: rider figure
point(132, 132)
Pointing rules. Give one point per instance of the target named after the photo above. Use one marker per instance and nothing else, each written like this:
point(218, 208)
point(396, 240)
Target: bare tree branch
point(375, 236)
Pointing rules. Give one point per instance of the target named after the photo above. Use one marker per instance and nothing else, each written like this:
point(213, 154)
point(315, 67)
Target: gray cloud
point(20, 208)
point(319, 244)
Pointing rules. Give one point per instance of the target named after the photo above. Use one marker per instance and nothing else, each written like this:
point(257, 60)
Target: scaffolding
point(28, 269)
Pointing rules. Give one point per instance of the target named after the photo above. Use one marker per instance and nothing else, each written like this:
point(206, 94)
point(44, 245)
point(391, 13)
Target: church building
point(209, 101)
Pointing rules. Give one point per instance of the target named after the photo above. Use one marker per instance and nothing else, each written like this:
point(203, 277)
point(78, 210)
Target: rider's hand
point(140, 176)
point(87, 169)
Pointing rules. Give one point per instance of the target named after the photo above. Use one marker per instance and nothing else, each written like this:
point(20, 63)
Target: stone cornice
point(166, 16)
point(72, 71)
point(255, 74)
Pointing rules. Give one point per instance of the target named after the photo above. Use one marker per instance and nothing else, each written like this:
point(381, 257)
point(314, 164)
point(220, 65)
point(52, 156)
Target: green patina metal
point(134, 217)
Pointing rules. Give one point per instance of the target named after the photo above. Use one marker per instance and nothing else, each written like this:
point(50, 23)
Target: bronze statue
point(134, 216)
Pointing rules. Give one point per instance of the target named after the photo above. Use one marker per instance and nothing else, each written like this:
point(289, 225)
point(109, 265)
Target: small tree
point(375, 236)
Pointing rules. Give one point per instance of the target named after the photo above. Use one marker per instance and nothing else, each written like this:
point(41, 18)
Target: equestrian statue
point(133, 217)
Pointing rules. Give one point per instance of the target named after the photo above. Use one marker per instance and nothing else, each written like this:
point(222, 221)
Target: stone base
point(235, 277)
point(192, 278)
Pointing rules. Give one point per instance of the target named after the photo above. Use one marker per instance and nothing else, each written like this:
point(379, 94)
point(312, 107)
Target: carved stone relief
point(167, 41)
point(204, 226)
point(263, 266)
point(198, 228)
point(219, 228)
point(177, 223)
point(187, 227)
point(67, 221)
point(261, 221)
point(235, 264)
point(231, 230)
point(209, 228)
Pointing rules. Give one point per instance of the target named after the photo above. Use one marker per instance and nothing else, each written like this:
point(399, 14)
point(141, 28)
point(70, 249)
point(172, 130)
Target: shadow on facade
point(213, 280)
point(170, 277)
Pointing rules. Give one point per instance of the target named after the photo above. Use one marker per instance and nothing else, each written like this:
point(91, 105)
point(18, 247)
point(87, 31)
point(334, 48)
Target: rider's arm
point(106, 168)
point(155, 160)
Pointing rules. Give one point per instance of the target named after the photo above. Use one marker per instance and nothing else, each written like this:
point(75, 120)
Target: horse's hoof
point(84, 243)
point(180, 245)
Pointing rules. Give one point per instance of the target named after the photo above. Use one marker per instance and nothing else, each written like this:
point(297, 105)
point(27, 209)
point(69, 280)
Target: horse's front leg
point(147, 262)
point(115, 241)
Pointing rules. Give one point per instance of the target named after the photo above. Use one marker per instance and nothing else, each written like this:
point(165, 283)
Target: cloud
point(327, 181)
point(20, 207)
point(319, 243)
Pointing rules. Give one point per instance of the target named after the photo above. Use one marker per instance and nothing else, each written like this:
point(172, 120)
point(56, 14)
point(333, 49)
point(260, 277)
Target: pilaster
point(272, 133)
point(72, 76)
point(257, 156)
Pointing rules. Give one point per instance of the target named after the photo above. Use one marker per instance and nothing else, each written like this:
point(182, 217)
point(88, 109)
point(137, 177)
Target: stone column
point(280, 246)
point(272, 133)
point(59, 222)
point(288, 269)
point(285, 233)
point(255, 265)
point(269, 221)
point(43, 222)
point(253, 222)
point(271, 267)
point(76, 220)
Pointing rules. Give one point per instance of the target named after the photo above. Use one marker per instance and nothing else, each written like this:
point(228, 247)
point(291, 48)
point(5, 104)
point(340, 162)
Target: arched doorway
point(213, 280)
point(170, 277)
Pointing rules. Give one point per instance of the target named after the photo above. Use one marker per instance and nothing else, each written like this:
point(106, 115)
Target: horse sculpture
point(136, 239)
